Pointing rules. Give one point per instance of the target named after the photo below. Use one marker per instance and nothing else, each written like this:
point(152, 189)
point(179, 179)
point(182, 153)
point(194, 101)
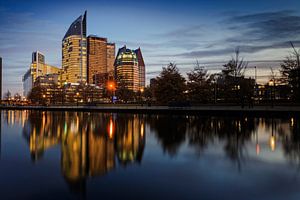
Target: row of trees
point(201, 87)
point(228, 86)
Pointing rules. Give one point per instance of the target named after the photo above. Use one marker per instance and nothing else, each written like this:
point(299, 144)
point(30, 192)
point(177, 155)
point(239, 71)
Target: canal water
point(82, 155)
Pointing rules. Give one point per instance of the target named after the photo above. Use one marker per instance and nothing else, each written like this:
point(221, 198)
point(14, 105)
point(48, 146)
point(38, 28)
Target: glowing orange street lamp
point(77, 95)
point(111, 86)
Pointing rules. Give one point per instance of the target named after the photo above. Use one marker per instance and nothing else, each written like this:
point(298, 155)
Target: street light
point(112, 87)
point(77, 96)
point(272, 85)
point(141, 95)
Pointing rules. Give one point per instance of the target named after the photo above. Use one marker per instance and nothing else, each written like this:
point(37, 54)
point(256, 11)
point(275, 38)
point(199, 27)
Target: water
point(69, 155)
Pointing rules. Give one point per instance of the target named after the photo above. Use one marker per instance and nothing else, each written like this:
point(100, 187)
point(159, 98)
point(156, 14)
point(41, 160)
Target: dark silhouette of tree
point(148, 94)
point(235, 87)
point(123, 93)
point(290, 70)
point(236, 67)
point(199, 90)
point(170, 85)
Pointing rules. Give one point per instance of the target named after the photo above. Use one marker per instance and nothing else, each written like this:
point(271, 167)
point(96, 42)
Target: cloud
point(252, 33)
point(243, 49)
point(192, 31)
point(22, 33)
point(267, 26)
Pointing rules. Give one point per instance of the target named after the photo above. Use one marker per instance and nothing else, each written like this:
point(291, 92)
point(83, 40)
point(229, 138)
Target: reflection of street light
point(272, 143)
point(273, 138)
point(111, 129)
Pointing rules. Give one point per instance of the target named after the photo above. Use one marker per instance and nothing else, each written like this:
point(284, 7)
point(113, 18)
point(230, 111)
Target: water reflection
point(90, 143)
point(94, 144)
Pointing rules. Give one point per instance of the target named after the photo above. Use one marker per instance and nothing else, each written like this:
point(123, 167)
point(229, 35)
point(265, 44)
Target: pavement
point(205, 109)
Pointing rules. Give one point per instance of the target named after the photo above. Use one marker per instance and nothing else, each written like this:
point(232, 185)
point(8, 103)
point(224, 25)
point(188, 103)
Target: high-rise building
point(130, 69)
point(97, 57)
point(38, 67)
point(100, 59)
point(142, 80)
point(111, 51)
point(74, 52)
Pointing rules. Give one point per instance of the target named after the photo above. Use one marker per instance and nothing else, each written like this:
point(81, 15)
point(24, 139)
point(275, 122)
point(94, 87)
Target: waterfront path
point(205, 109)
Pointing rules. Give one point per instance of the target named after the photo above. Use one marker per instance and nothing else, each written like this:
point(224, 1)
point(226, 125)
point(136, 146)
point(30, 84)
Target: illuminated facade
point(97, 54)
point(74, 52)
point(127, 69)
point(141, 64)
point(111, 52)
point(38, 68)
point(100, 59)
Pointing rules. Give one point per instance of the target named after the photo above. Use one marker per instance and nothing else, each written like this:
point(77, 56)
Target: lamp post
point(77, 97)
point(141, 95)
point(214, 81)
point(112, 88)
point(44, 99)
point(271, 84)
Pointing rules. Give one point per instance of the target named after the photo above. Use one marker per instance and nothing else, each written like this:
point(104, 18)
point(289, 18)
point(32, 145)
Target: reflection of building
point(101, 154)
point(38, 68)
point(41, 133)
point(130, 140)
point(74, 52)
point(90, 144)
point(127, 69)
point(100, 58)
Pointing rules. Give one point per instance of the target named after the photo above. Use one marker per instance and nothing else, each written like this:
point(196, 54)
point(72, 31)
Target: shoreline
point(194, 110)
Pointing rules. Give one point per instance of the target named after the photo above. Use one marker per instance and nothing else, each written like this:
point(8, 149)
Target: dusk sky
point(167, 31)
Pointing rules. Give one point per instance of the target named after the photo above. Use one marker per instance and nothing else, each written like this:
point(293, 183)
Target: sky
point(167, 31)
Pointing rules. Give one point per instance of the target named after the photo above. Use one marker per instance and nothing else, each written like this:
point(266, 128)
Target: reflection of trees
point(291, 141)
point(90, 142)
point(170, 131)
point(236, 132)
point(200, 131)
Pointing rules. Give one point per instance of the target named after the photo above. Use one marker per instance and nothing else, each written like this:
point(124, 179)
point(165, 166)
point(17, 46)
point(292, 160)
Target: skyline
point(169, 31)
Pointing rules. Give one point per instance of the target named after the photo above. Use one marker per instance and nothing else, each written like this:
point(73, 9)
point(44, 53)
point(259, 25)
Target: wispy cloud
point(20, 34)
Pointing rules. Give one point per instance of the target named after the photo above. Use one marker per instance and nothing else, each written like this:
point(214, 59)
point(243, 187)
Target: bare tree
point(290, 70)
point(236, 67)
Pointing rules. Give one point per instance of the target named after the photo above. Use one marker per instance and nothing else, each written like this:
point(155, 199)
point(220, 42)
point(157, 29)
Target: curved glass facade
point(75, 28)
point(74, 52)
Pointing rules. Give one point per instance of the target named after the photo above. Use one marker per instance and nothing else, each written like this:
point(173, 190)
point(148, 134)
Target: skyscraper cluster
point(89, 60)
